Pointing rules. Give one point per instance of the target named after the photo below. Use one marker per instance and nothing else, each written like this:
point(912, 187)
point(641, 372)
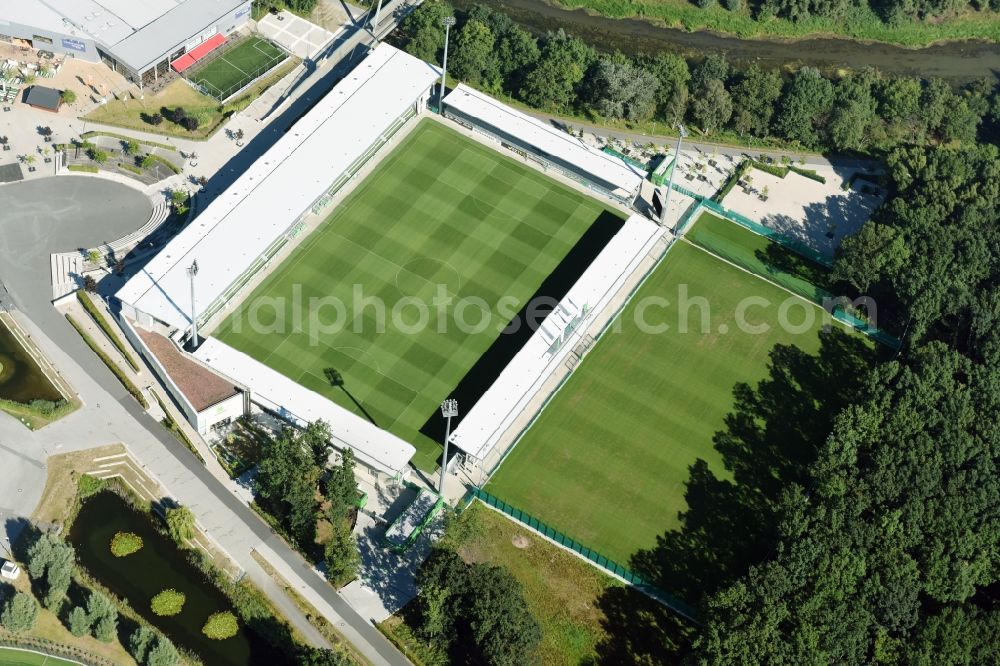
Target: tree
point(52, 558)
point(99, 156)
point(103, 616)
point(179, 200)
point(221, 626)
point(501, 623)
point(755, 97)
point(155, 119)
point(342, 486)
point(552, 83)
point(673, 75)
point(89, 284)
point(713, 67)
point(190, 123)
point(146, 161)
point(130, 147)
point(181, 524)
point(713, 108)
point(67, 96)
point(423, 32)
point(301, 6)
point(286, 484)
point(162, 653)
point(140, 642)
point(19, 613)
point(341, 556)
point(473, 59)
point(805, 103)
point(853, 115)
point(310, 656)
point(79, 622)
point(621, 89)
point(315, 437)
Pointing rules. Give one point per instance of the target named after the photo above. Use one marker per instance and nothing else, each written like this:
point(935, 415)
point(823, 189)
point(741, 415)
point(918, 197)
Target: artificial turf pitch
point(238, 66)
point(607, 460)
point(439, 210)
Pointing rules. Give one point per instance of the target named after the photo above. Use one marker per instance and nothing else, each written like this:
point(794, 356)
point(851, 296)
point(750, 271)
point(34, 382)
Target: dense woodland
point(878, 540)
point(890, 11)
point(862, 112)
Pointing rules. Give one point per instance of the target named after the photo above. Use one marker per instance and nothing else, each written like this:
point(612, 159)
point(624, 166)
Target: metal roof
point(545, 138)
point(271, 389)
point(137, 32)
point(242, 222)
point(47, 98)
point(553, 341)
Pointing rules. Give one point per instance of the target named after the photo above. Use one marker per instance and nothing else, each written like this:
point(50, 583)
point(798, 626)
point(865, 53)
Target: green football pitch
point(238, 66)
point(14, 657)
point(440, 210)
point(607, 460)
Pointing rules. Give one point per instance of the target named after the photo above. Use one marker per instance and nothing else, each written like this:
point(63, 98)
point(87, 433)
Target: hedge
point(87, 135)
point(112, 366)
point(808, 173)
point(99, 319)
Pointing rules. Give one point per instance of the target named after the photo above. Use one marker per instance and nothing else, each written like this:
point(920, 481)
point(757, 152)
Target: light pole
point(670, 181)
point(378, 10)
point(449, 408)
point(447, 21)
point(192, 272)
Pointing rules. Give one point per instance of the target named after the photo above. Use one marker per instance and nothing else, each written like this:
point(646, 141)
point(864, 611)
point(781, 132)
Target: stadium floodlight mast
point(192, 272)
point(670, 182)
point(449, 409)
point(378, 10)
point(447, 22)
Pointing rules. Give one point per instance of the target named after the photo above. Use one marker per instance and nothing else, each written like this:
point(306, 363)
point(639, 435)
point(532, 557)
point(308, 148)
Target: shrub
point(168, 602)
point(67, 96)
point(19, 614)
point(180, 524)
point(155, 119)
point(45, 407)
point(106, 628)
point(221, 626)
point(125, 543)
point(89, 485)
point(178, 115)
point(98, 155)
point(190, 123)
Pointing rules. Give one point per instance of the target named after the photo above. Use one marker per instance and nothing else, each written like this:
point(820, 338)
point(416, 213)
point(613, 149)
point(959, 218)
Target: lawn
point(581, 611)
point(237, 66)
point(132, 113)
point(607, 460)
point(762, 256)
point(13, 657)
point(441, 213)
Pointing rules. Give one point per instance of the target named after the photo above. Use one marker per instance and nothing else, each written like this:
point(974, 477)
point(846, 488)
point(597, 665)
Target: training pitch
point(607, 460)
point(440, 209)
point(238, 66)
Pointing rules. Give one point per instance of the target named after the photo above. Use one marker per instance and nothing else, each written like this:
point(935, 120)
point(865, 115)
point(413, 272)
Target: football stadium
point(315, 280)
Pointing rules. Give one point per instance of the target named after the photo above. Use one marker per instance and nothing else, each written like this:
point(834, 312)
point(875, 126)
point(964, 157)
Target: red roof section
point(198, 52)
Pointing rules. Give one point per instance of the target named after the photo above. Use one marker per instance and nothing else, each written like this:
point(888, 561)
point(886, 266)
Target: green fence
point(625, 158)
point(600, 560)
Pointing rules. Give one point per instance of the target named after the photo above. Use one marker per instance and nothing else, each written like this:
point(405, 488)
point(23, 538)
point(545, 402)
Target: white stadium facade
point(248, 228)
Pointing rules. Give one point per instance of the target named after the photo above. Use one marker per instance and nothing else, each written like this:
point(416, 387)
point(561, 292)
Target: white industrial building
point(246, 226)
point(137, 38)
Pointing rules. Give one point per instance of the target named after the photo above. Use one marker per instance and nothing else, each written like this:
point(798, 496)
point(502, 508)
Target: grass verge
point(112, 366)
point(145, 142)
point(83, 167)
point(102, 322)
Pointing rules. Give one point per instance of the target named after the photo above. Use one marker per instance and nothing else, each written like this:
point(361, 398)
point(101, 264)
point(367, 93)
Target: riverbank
point(862, 24)
point(953, 57)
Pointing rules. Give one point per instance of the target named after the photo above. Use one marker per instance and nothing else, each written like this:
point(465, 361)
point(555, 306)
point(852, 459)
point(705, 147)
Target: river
point(957, 62)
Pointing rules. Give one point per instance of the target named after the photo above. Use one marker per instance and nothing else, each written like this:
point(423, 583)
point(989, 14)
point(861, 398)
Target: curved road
point(57, 214)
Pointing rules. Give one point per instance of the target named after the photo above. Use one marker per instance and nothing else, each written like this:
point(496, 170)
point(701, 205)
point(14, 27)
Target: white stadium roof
point(545, 138)
point(269, 388)
point(242, 222)
point(553, 341)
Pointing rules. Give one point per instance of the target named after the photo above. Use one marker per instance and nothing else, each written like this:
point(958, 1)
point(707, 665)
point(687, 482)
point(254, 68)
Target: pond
point(158, 566)
point(957, 62)
point(21, 380)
